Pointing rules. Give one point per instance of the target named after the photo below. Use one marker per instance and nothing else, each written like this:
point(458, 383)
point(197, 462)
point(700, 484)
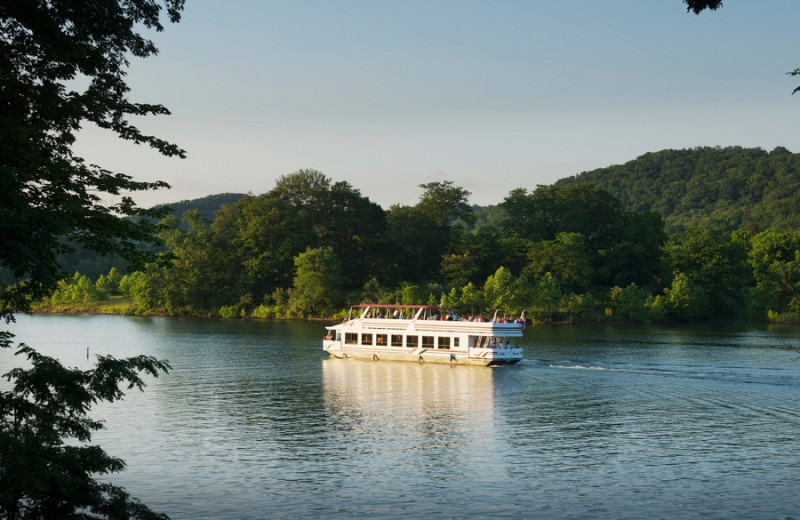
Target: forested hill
point(731, 187)
point(206, 205)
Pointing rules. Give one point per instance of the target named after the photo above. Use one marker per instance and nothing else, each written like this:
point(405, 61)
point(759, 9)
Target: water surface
point(596, 422)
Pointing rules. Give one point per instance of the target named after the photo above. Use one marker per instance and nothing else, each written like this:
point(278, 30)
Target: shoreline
point(115, 311)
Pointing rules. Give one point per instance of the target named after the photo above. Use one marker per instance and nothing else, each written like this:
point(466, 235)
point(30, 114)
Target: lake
point(616, 422)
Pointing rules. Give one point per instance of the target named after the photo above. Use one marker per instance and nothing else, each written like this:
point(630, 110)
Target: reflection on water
point(597, 422)
point(409, 406)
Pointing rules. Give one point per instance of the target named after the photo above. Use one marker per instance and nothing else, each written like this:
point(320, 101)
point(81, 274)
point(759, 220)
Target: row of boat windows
point(396, 340)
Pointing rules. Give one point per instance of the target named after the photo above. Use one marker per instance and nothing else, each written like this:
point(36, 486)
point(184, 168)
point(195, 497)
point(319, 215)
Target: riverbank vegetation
point(571, 251)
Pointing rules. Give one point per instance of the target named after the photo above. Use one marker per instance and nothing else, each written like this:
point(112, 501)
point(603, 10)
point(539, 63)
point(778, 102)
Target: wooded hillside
point(732, 187)
point(207, 206)
point(591, 247)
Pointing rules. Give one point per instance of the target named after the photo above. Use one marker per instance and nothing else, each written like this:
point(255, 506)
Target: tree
point(41, 475)
point(714, 262)
point(415, 246)
point(774, 257)
point(108, 284)
point(271, 232)
point(78, 289)
point(317, 282)
point(629, 303)
point(550, 210)
point(547, 294)
point(685, 300)
point(443, 202)
point(198, 271)
point(338, 216)
point(458, 269)
point(636, 256)
point(505, 293)
point(51, 197)
point(566, 258)
point(699, 5)
point(63, 64)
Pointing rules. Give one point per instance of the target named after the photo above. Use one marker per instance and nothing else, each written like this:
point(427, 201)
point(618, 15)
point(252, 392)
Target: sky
point(491, 95)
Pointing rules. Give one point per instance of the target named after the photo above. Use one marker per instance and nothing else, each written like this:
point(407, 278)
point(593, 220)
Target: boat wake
point(580, 367)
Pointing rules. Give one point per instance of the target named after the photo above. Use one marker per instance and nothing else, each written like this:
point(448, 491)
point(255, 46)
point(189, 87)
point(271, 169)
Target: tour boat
point(423, 333)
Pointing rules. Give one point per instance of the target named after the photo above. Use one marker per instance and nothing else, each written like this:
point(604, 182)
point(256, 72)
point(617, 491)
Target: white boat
point(423, 333)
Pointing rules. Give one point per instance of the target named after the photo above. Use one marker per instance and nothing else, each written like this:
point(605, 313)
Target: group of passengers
point(398, 315)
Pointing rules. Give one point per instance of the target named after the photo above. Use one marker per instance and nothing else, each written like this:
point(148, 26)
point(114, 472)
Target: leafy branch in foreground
point(63, 64)
point(46, 461)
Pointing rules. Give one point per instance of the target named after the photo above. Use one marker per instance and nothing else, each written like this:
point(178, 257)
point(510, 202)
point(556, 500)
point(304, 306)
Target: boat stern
point(497, 356)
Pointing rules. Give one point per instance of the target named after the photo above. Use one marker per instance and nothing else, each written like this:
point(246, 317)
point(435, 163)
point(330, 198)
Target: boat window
point(366, 339)
point(350, 338)
point(444, 342)
point(455, 342)
point(412, 341)
point(380, 339)
point(397, 340)
point(427, 341)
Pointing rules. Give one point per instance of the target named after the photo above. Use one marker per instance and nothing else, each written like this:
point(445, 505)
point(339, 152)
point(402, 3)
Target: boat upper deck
point(427, 318)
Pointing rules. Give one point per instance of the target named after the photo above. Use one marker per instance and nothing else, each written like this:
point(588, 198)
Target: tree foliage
point(698, 6)
point(317, 283)
point(46, 463)
point(63, 65)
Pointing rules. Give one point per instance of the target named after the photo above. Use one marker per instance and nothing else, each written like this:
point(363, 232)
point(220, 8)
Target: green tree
point(579, 305)
point(444, 202)
point(62, 64)
point(636, 255)
point(774, 257)
point(713, 261)
point(629, 303)
point(199, 274)
point(108, 284)
point(339, 217)
point(498, 292)
point(505, 293)
point(566, 257)
point(685, 300)
point(549, 210)
point(547, 294)
point(415, 247)
point(472, 300)
point(270, 233)
point(452, 301)
point(78, 289)
point(458, 269)
point(317, 283)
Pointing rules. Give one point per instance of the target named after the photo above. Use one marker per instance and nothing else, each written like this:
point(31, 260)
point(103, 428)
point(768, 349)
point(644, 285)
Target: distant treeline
point(573, 250)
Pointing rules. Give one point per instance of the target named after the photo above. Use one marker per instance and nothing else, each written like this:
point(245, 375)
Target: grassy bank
point(121, 305)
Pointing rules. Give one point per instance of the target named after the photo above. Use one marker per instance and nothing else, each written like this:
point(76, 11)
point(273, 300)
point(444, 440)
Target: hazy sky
point(493, 95)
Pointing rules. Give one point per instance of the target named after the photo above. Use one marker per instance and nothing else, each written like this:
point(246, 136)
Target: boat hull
point(479, 357)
